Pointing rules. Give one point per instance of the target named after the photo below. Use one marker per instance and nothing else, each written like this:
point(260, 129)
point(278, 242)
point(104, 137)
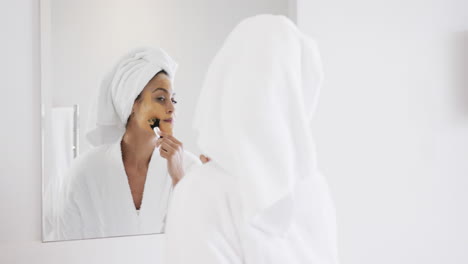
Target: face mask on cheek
point(165, 127)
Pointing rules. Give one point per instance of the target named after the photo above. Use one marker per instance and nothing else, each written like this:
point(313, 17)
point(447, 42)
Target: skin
point(138, 143)
point(204, 159)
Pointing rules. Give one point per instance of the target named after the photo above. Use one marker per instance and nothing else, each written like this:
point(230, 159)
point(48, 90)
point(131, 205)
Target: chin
point(166, 129)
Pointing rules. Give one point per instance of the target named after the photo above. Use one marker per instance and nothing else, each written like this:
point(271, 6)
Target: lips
point(168, 120)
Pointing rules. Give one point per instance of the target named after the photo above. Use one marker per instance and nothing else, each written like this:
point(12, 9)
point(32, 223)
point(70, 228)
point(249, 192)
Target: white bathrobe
point(205, 224)
point(262, 198)
point(98, 201)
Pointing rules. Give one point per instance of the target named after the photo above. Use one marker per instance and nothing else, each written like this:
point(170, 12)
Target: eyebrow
point(162, 89)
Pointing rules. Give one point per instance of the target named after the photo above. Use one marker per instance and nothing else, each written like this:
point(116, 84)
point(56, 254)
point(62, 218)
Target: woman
point(261, 198)
point(122, 186)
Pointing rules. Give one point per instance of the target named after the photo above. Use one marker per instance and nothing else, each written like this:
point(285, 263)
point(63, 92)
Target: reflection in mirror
point(119, 85)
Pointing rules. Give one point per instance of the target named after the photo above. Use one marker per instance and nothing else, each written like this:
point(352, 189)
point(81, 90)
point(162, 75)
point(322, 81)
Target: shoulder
point(88, 164)
point(199, 215)
point(208, 177)
point(190, 159)
point(189, 155)
point(201, 204)
point(90, 158)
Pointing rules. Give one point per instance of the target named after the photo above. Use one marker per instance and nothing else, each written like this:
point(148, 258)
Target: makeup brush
point(155, 125)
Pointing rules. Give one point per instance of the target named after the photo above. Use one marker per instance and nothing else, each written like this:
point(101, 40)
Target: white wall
point(392, 126)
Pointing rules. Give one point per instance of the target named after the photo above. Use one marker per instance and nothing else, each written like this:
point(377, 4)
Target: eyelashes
point(163, 99)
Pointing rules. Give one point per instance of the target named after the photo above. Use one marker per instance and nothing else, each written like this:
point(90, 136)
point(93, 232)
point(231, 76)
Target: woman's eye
point(174, 101)
point(161, 99)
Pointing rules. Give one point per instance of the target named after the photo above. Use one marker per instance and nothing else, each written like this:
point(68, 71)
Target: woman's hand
point(173, 151)
point(204, 159)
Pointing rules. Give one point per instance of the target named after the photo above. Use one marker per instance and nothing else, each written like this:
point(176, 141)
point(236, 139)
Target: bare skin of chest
point(136, 180)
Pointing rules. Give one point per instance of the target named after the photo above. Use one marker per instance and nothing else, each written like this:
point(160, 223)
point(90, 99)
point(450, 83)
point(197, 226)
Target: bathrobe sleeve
point(190, 161)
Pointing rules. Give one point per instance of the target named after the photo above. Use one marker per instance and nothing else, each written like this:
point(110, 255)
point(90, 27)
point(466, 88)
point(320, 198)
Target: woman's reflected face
point(156, 101)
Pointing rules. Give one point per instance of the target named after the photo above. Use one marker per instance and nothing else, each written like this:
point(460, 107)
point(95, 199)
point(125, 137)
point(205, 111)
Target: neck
point(137, 146)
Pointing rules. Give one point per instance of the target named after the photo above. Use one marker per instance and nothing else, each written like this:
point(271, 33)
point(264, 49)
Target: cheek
point(153, 110)
point(166, 127)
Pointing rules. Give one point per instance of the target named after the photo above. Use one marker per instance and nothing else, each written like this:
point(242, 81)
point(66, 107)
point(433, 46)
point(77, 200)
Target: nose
point(170, 107)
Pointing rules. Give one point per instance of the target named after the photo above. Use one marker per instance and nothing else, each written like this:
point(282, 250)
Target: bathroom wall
point(392, 126)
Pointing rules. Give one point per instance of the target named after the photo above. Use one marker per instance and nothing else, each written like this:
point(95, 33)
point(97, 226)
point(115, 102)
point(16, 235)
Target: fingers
point(168, 149)
point(170, 137)
point(204, 159)
point(172, 141)
point(158, 142)
point(165, 150)
point(168, 145)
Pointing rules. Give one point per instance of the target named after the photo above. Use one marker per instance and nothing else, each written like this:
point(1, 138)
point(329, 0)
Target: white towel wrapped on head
point(119, 89)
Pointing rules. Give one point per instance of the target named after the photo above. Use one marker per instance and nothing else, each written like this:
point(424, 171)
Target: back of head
point(254, 113)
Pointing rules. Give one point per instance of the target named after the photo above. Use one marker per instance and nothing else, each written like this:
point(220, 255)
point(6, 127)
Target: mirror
point(93, 191)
